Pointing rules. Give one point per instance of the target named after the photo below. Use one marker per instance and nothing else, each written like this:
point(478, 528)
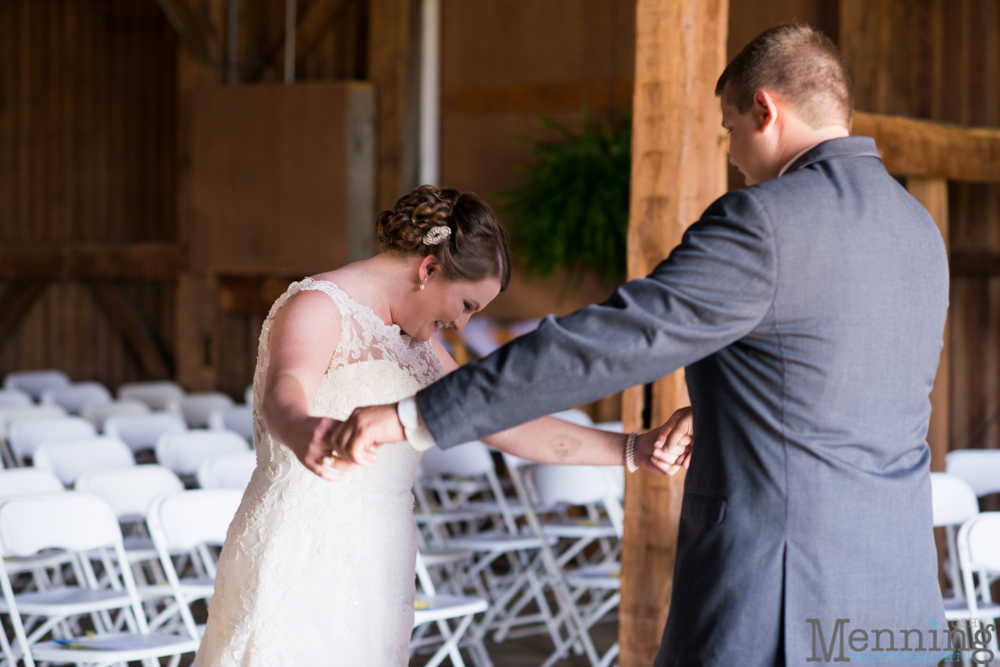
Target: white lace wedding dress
point(316, 573)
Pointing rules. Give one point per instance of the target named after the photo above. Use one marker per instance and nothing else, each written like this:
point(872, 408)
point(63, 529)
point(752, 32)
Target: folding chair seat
point(184, 452)
point(77, 523)
point(190, 521)
point(74, 396)
point(67, 460)
point(227, 471)
point(158, 394)
point(98, 413)
point(236, 418)
point(14, 398)
point(34, 383)
point(27, 433)
point(196, 408)
point(143, 431)
point(430, 607)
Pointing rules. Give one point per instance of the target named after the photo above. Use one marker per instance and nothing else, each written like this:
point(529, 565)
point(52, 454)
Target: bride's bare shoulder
point(353, 279)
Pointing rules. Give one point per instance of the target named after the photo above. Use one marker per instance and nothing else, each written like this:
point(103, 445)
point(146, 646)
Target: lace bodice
point(316, 572)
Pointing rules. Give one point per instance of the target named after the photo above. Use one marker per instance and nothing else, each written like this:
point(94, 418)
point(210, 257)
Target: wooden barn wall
point(87, 150)
point(941, 60)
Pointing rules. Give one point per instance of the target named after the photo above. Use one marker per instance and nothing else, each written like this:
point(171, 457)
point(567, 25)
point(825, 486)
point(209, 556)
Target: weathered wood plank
point(133, 330)
point(16, 301)
point(933, 194)
point(86, 261)
point(678, 169)
point(911, 147)
point(537, 97)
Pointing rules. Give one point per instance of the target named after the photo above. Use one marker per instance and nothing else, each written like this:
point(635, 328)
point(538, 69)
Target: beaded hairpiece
point(437, 235)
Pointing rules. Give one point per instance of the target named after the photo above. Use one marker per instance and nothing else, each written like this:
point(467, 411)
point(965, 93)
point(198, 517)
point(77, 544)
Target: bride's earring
point(422, 283)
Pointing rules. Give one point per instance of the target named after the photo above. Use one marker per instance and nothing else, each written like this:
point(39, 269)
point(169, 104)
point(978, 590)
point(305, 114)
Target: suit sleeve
point(713, 289)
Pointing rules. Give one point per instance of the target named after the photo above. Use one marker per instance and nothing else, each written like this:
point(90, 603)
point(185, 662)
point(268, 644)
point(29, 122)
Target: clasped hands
point(337, 446)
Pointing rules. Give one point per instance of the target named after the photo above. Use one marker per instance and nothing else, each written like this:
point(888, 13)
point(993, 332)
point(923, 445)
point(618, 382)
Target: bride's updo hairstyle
point(472, 248)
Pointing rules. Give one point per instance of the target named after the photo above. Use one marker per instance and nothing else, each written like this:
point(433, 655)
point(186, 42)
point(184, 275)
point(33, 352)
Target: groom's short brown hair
point(800, 64)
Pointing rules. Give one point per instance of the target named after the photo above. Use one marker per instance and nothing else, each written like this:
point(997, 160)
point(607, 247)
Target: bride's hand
point(356, 439)
point(673, 441)
point(316, 454)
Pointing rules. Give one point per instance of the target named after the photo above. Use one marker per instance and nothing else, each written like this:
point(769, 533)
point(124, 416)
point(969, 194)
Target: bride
point(318, 573)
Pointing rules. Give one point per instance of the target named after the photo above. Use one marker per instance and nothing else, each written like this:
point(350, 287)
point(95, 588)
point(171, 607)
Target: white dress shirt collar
point(792, 161)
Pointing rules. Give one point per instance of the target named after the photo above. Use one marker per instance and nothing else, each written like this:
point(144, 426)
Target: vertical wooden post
point(388, 61)
point(678, 169)
point(933, 194)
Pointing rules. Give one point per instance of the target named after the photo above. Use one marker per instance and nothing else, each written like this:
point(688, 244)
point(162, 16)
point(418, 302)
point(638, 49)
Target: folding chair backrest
point(236, 418)
point(186, 519)
point(98, 413)
point(28, 482)
point(129, 491)
point(75, 396)
point(143, 431)
point(979, 543)
point(980, 468)
point(26, 434)
point(35, 382)
point(157, 395)
point(574, 416)
point(467, 460)
point(68, 460)
point(248, 395)
point(227, 471)
point(68, 520)
point(196, 408)
point(953, 500)
point(14, 398)
point(184, 452)
point(577, 485)
point(9, 415)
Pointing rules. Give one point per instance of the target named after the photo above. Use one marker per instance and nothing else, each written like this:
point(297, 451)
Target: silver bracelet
point(630, 452)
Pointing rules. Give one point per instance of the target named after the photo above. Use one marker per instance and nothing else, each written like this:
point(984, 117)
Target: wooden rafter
point(16, 302)
point(86, 261)
point(190, 24)
point(311, 28)
point(137, 336)
point(912, 147)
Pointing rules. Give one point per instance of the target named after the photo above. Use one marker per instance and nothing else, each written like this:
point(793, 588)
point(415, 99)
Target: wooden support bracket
point(137, 336)
point(15, 304)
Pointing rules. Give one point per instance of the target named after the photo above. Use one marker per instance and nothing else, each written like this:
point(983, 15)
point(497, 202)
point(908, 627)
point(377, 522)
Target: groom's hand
point(672, 443)
point(357, 438)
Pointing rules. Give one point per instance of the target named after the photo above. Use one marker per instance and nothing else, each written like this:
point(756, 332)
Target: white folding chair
point(196, 408)
point(248, 395)
point(190, 521)
point(30, 482)
point(953, 503)
point(473, 459)
point(78, 523)
point(9, 414)
point(69, 459)
point(34, 383)
point(236, 418)
point(979, 552)
point(98, 413)
point(429, 607)
point(157, 394)
point(583, 486)
point(14, 398)
point(227, 471)
point(74, 396)
point(143, 431)
point(184, 452)
point(27, 433)
point(980, 468)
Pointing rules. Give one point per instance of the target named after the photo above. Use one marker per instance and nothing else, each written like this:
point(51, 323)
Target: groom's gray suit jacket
point(808, 311)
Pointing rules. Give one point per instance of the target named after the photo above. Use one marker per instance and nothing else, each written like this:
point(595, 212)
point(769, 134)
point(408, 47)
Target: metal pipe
point(290, 30)
point(429, 172)
point(232, 41)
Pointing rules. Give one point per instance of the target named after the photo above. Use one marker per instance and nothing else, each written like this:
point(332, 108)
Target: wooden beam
point(981, 264)
point(137, 336)
point(188, 21)
point(534, 98)
point(16, 302)
point(678, 169)
point(933, 194)
point(933, 150)
point(242, 295)
point(196, 340)
point(88, 261)
point(311, 27)
point(388, 59)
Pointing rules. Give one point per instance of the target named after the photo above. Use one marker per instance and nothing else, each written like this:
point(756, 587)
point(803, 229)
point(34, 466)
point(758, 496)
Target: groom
point(808, 310)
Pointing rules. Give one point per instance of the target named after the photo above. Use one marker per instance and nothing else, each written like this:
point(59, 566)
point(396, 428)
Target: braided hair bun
point(459, 229)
